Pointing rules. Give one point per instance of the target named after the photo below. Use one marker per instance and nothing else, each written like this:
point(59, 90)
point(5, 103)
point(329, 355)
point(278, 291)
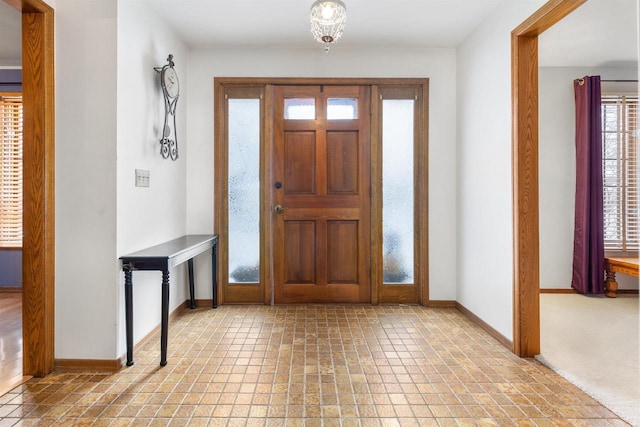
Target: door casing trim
point(526, 247)
point(221, 83)
point(38, 248)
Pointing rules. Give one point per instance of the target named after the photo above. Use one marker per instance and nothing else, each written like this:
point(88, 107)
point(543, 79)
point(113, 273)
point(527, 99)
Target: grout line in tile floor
point(313, 365)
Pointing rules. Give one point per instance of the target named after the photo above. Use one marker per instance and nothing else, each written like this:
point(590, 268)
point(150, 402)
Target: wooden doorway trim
point(221, 84)
point(39, 190)
point(524, 84)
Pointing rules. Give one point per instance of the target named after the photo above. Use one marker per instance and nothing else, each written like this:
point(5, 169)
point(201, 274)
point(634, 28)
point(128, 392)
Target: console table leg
point(164, 327)
point(214, 275)
point(128, 309)
point(192, 299)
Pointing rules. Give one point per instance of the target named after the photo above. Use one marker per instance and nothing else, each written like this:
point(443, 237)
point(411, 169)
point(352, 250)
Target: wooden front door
point(320, 187)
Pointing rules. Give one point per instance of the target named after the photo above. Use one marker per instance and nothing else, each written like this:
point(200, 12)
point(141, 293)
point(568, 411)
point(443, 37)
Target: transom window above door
point(305, 108)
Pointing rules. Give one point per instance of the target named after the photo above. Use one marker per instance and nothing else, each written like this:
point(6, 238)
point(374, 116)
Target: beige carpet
point(593, 342)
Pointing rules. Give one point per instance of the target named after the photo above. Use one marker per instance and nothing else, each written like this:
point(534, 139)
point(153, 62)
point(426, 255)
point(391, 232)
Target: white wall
point(148, 215)
point(439, 65)
point(86, 263)
point(484, 183)
point(108, 112)
point(557, 170)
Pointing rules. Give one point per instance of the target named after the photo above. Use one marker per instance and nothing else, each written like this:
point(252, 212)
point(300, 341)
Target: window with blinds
point(620, 172)
point(11, 171)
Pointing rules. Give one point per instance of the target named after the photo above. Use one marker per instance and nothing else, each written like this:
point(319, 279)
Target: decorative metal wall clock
point(171, 92)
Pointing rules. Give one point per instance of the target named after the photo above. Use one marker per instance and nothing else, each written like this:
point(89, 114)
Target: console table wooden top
point(169, 254)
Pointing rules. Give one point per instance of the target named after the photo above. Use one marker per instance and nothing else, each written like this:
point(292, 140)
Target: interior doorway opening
point(526, 228)
point(38, 248)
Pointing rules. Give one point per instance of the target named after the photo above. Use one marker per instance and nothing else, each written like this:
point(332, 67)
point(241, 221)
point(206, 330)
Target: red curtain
point(588, 242)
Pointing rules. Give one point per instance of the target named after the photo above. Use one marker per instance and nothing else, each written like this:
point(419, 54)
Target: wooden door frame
point(249, 293)
point(526, 256)
point(392, 293)
point(220, 83)
point(38, 262)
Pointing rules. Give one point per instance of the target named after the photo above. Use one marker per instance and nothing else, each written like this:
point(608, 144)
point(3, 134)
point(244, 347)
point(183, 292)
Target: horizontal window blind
point(11, 171)
point(620, 172)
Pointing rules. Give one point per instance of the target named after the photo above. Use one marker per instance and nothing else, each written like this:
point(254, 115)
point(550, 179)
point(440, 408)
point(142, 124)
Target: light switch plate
point(142, 178)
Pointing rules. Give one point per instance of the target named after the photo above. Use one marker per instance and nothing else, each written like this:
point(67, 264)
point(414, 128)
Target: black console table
point(163, 257)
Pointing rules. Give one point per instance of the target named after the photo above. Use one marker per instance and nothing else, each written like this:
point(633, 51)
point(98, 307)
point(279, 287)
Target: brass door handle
point(279, 208)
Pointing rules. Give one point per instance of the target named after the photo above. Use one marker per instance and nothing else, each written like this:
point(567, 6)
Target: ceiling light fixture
point(327, 21)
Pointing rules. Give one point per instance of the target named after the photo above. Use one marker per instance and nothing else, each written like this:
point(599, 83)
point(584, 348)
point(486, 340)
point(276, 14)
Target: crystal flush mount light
point(327, 21)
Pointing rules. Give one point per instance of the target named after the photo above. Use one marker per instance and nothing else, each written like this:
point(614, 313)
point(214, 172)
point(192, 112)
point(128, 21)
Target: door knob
point(279, 208)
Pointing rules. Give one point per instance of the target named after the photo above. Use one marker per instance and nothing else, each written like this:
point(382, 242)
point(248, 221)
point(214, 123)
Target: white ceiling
point(285, 23)
point(601, 32)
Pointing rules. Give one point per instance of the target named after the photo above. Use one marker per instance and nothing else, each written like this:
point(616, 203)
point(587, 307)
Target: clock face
point(170, 82)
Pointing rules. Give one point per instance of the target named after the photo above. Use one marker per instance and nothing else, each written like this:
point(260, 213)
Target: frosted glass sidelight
point(397, 190)
point(244, 190)
point(342, 108)
point(300, 109)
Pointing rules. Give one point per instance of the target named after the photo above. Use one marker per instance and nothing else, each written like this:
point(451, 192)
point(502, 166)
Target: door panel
point(321, 178)
point(300, 251)
point(342, 163)
point(299, 162)
point(342, 248)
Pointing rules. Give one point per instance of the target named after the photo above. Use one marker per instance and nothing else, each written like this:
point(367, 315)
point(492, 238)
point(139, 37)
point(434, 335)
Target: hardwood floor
point(10, 340)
